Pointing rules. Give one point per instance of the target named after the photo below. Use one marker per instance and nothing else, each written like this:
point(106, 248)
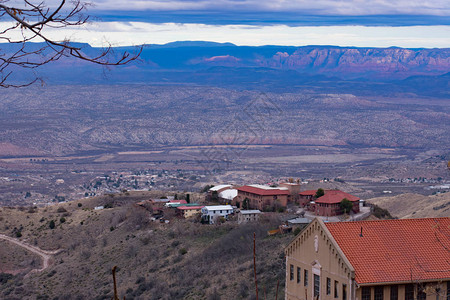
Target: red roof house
point(407, 259)
point(261, 197)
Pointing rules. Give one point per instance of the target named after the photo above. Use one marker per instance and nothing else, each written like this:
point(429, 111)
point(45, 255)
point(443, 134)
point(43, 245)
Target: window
point(344, 291)
point(448, 290)
point(394, 292)
point(409, 292)
point(336, 286)
point(379, 293)
point(328, 286)
point(298, 274)
point(421, 295)
point(365, 293)
point(291, 272)
point(305, 278)
point(316, 286)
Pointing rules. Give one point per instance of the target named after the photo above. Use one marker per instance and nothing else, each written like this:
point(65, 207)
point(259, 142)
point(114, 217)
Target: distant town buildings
point(405, 259)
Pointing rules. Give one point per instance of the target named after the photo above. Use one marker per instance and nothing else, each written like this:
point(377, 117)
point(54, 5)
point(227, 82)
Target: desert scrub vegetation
point(180, 260)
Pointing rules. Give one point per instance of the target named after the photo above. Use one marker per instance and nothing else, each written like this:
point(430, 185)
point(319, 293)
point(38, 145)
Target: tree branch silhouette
point(30, 22)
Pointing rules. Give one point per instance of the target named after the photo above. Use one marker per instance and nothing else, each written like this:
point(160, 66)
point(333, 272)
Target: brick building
point(328, 204)
point(262, 197)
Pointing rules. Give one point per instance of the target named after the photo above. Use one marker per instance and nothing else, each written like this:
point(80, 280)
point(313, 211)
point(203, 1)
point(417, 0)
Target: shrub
point(381, 213)
point(319, 193)
point(80, 205)
point(61, 210)
point(18, 234)
point(297, 231)
point(51, 224)
point(280, 209)
point(182, 251)
point(62, 220)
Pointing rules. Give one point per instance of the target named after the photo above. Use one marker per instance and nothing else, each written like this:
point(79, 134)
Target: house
point(175, 203)
point(227, 196)
point(306, 196)
point(299, 222)
point(213, 193)
point(329, 203)
point(405, 259)
point(261, 197)
point(189, 211)
point(212, 213)
point(245, 216)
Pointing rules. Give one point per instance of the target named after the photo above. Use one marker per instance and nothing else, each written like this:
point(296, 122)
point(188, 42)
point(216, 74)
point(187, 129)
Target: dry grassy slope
point(217, 262)
point(415, 205)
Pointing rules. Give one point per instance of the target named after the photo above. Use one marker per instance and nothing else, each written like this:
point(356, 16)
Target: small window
point(328, 286)
point(291, 272)
point(298, 274)
point(448, 290)
point(305, 278)
point(344, 292)
point(379, 293)
point(316, 286)
point(365, 293)
point(394, 292)
point(336, 287)
point(409, 292)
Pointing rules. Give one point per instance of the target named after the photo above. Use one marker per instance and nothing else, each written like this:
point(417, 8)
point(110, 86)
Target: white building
point(245, 216)
point(227, 196)
point(212, 213)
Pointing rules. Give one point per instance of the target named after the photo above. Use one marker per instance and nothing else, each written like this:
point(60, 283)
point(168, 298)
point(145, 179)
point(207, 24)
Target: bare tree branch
point(30, 23)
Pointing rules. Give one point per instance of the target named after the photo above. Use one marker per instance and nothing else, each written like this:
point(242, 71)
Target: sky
point(362, 23)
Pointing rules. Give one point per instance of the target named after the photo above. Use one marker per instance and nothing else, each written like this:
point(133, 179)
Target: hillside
point(415, 205)
point(180, 260)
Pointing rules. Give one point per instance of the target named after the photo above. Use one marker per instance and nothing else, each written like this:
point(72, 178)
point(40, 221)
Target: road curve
point(44, 254)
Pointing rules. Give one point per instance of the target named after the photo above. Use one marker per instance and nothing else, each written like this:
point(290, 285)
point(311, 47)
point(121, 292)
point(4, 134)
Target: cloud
point(134, 33)
point(304, 7)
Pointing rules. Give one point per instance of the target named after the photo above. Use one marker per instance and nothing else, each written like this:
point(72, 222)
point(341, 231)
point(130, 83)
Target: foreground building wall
point(316, 269)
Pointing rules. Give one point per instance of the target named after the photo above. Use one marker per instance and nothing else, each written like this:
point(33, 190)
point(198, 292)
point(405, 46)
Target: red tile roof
point(308, 193)
point(335, 196)
point(406, 250)
point(262, 192)
point(190, 207)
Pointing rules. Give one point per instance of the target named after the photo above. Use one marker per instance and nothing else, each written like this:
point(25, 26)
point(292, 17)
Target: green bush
point(18, 234)
point(52, 224)
point(381, 213)
point(182, 251)
point(62, 220)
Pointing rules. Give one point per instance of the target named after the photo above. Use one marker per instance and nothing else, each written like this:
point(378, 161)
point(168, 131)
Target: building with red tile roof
point(261, 197)
point(329, 203)
point(406, 259)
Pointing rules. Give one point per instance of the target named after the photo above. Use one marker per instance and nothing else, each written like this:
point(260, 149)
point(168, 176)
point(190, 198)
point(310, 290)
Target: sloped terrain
point(415, 205)
point(180, 260)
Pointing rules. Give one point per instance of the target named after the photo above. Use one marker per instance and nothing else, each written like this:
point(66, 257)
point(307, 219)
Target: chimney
point(361, 235)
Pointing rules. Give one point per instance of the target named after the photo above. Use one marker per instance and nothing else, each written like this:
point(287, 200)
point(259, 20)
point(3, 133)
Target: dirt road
point(44, 254)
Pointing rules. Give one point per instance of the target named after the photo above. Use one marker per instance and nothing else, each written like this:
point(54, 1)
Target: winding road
point(44, 254)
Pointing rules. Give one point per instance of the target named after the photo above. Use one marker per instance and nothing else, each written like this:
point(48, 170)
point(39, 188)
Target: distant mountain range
point(269, 66)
